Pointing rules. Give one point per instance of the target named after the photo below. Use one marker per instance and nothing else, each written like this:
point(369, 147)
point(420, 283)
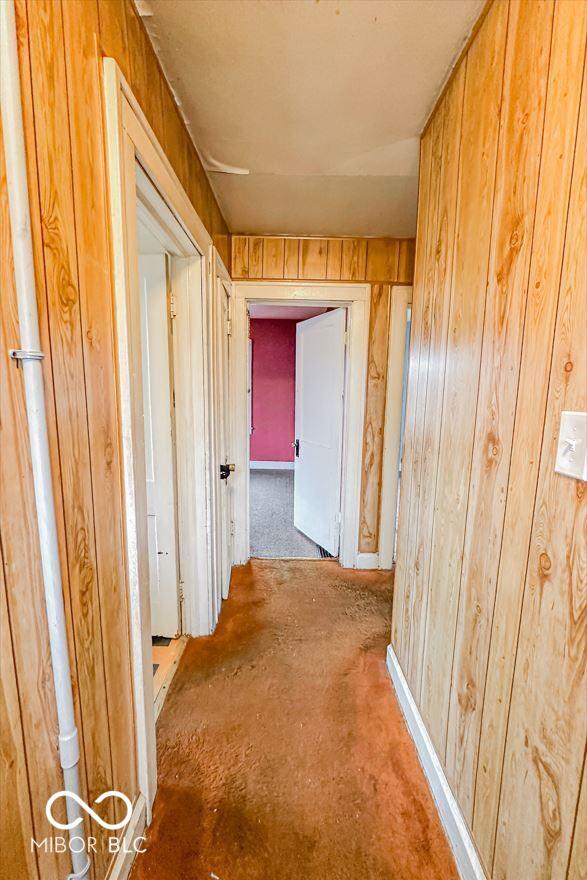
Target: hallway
point(282, 752)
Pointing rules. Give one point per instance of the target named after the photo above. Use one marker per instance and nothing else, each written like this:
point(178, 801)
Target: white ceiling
point(322, 101)
point(290, 313)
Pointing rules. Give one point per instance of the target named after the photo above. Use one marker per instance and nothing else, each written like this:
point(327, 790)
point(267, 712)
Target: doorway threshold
point(166, 659)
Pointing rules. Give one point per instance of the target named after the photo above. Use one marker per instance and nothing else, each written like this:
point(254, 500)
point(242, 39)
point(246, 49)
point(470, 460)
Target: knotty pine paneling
point(61, 45)
point(490, 603)
point(374, 418)
point(479, 134)
point(558, 151)
point(24, 625)
point(385, 261)
point(433, 372)
point(545, 745)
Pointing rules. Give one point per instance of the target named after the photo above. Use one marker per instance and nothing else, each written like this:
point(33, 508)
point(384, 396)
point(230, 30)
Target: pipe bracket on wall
point(20, 354)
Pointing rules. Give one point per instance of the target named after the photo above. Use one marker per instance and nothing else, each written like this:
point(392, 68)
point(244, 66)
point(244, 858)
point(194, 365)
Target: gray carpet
point(273, 534)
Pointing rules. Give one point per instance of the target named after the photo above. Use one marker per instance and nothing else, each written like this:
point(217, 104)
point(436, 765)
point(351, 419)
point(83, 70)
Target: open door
point(159, 449)
point(222, 422)
point(320, 377)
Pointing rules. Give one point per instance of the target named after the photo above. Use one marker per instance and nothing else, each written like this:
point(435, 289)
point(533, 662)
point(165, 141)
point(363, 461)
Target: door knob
point(225, 471)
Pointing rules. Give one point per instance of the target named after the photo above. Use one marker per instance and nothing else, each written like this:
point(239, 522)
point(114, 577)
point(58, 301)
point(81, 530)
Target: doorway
point(159, 429)
point(165, 301)
point(296, 426)
point(303, 479)
point(156, 299)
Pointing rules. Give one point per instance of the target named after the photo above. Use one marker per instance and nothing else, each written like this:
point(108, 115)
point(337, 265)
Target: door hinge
point(228, 327)
point(232, 528)
point(172, 308)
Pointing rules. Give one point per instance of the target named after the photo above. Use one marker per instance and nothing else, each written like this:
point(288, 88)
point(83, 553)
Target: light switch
point(571, 455)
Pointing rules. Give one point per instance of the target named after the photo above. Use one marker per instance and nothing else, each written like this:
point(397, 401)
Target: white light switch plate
point(571, 455)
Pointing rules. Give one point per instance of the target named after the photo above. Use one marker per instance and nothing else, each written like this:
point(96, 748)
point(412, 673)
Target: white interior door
point(159, 456)
point(226, 499)
point(320, 375)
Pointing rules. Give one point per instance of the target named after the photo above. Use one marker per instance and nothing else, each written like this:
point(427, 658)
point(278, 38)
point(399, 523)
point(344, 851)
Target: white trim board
point(368, 561)
point(120, 867)
point(272, 465)
point(466, 857)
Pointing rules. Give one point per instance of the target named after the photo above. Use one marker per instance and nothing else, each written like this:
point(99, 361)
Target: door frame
point(219, 276)
point(130, 140)
point(356, 298)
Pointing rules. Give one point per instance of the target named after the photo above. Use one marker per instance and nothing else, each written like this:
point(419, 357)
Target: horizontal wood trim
point(268, 257)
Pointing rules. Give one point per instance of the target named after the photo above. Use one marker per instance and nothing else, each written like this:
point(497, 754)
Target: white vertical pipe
point(30, 360)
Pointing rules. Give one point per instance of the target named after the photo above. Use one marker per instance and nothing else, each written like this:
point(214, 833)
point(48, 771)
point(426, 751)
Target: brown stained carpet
point(282, 752)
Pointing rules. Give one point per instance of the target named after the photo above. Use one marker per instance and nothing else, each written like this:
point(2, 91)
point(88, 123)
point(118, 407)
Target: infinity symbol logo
point(88, 809)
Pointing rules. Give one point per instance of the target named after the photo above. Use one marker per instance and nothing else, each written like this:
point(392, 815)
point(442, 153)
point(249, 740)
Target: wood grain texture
point(354, 259)
point(382, 259)
point(400, 624)
point(518, 165)
point(413, 473)
point(255, 257)
point(334, 259)
point(374, 418)
point(61, 278)
point(273, 257)
point(548, 715)
point(16, 825)
point(505, 621)
point(435, 376)
point(240, 256)
point(558, 151)
point(391, 260)
point(484, 77)
point(94, 276)
point(28, 639)
point(313, 252)
point(578, 858)
point(291, 265)
point(405, 262)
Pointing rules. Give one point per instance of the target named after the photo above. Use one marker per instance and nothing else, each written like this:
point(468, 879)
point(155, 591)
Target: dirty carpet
point(282, 751)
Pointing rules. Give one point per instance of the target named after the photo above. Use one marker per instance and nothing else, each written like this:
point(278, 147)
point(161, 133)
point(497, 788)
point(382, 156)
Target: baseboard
point(367, 560)
point(466, 857)
point(272, 465)
point(121, 865)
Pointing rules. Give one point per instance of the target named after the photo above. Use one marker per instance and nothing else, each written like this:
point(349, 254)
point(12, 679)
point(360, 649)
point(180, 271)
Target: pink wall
point(273, 403)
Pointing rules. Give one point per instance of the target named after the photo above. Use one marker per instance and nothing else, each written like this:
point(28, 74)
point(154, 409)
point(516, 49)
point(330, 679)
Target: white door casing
point(356, 299)
point(159, 455)
point(226, 499)
point(155, 186)
point(319, 407)
point(220, 371)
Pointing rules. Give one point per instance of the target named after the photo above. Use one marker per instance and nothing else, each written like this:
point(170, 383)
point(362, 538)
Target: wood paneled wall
point(61, 46)
point(380, 261)
point(490, 607)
